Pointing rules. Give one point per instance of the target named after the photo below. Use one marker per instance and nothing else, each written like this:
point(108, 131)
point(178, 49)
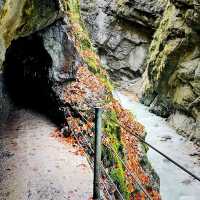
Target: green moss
point(145, 148)
point(172, 58)
point(183, 96)
point(120, 2)
point(36, 15)
point(116, 171)
point(165, 50)
point(74, 8)
point(84, 44)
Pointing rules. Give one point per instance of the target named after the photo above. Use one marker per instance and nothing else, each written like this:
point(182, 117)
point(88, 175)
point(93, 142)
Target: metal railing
point(97, 165)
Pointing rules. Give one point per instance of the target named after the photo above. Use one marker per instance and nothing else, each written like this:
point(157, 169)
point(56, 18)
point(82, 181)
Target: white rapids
point(175, 184)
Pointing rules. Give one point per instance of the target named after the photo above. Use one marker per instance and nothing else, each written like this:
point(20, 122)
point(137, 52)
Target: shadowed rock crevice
point(26, 70)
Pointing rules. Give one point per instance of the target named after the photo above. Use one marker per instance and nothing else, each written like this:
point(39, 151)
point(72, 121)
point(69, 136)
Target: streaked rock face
point(144, 12)
point(65, 59)
point(122, 44)
point(173, 64)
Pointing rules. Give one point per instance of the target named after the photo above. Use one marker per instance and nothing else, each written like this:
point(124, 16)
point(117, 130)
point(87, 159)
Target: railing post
point(97, 156)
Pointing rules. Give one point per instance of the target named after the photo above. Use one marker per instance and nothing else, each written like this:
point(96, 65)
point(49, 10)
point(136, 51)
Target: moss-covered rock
point(23, 17)
point(173, 60)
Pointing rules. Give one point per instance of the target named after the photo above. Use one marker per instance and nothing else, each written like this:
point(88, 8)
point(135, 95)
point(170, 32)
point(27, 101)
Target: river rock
point(186, 126)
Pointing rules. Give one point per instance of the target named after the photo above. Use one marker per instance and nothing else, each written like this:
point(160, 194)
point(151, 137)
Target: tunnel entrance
point(26, 75)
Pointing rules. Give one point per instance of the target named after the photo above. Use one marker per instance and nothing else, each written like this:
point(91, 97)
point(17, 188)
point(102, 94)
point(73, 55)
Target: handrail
point(134, 176)
point(164, 155)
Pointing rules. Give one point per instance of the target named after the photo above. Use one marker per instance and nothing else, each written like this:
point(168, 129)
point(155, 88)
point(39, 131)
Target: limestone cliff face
point(173, 81)
point(121, 41)
point(156, 39)
point(20, 18)
point(143, 12)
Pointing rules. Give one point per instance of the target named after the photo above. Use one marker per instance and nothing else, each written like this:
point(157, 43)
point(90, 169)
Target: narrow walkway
point(174, 183)
point(35, 166)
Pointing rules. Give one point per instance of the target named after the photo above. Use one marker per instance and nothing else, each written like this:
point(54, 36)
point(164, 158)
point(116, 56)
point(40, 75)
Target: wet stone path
point(35, 166)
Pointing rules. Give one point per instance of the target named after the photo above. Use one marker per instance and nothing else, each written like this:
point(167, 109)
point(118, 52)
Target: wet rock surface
point(35, 73)
point(21, 18)
point(65, 59)
point(122, 45)
point(33, 165)
point(172, 83)
point(186, 126)
point(144, 12)
point(32, 71)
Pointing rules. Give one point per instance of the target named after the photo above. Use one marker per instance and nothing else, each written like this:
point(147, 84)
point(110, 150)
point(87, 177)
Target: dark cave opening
point(26, 76)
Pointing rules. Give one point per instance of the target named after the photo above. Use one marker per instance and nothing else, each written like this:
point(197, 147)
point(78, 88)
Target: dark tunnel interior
point(26, 76)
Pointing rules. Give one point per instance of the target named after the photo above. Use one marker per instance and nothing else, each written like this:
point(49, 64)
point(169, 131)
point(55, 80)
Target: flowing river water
point(174, 183)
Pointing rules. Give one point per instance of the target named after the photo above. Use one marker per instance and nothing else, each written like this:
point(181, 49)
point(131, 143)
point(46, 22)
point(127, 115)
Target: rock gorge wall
point(48, 62)
point(119, 43)
point(172, 84)
point(20, 19)
point(122, 32)
point(156, 39)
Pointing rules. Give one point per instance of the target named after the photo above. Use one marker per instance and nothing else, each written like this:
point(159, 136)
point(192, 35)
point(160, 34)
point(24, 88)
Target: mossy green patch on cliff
point(117, 171)
point(120, 2)
point(37, 15)
point(172, 63)
point(84, 44)
point(79, 30)
point(165, 50)
point(183, 95)
point(23, 17)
